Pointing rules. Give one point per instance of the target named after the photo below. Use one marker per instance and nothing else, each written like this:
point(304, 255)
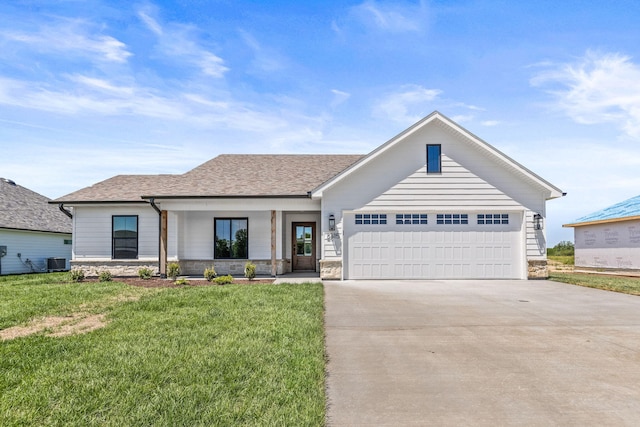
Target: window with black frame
point(125, 236)
point(434, 161)
point(231, 238)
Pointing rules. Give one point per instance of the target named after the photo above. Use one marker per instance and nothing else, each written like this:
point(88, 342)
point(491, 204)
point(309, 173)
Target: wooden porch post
point(274, 268)
point(163, 244)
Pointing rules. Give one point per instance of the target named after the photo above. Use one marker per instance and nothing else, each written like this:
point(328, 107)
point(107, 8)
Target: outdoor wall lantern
point(537, 222)
point(332, 223)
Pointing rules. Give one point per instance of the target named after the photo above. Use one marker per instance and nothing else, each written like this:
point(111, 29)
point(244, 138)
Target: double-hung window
point(231, 238)
point(124, 237)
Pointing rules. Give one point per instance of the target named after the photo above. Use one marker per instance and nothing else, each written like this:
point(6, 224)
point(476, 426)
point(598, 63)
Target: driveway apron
point(511, 353)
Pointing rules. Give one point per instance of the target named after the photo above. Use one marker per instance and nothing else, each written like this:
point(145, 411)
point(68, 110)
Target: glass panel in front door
point(303, 240)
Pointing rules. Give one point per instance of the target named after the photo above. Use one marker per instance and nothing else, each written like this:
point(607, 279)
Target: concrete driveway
point(458, 353)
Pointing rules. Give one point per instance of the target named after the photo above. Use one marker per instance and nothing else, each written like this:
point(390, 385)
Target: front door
point(304, 247)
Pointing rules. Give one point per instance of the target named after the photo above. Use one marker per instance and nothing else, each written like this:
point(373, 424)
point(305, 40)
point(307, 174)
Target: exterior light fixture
point(332, 222)
point(537, 222)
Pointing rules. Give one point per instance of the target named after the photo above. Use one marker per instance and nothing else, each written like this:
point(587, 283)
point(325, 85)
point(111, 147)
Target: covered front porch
point(226, 234)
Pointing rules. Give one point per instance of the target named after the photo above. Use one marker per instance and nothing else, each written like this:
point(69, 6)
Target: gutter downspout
point(64, 211)
point(152, 201)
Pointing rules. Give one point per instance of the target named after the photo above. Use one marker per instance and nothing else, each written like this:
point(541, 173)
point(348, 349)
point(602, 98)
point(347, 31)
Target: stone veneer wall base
point(118, 268)
point(330, 269)
point(537, 269)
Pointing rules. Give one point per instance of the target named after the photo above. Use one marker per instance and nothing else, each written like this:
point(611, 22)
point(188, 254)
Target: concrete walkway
point(481, 353)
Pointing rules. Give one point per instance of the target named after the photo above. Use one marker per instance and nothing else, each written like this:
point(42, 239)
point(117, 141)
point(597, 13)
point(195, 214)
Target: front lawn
point(627, 285)
point(206, 355)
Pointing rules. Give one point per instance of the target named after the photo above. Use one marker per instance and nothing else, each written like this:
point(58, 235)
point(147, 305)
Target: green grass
point(627, 285)
point(31, 295)
point(196, 356)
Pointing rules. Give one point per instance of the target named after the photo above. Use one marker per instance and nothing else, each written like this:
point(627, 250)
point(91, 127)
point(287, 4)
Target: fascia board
point(602, 221)
point(554, 192)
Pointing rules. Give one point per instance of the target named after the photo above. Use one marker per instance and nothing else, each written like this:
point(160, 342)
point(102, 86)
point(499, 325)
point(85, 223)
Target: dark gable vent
point(8, 181)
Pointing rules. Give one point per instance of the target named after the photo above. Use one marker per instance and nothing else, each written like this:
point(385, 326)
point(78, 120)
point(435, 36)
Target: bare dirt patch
point(57, 326)
point(81, 322)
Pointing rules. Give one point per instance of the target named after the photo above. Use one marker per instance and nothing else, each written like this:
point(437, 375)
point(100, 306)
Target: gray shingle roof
point(23, 209)
point(120, 188)
point(229, 175)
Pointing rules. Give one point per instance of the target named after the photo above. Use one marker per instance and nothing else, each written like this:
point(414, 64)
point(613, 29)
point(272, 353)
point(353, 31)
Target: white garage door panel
point(450, 254)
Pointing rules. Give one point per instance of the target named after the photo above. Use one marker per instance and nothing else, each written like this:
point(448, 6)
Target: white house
point(609, 238)
point(433, 202)
point(34, 235)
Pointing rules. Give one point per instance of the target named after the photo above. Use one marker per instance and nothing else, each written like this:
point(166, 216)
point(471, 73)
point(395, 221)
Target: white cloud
point(265, 59)
point(71, 36)
point(392, 17)
point(490, 123)
point(407, 105)
point(339, 97)
point(180, 42)
point(151, 23)
point(599, 88)
point(98, 97)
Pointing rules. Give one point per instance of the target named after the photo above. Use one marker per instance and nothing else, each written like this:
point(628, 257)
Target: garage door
point(433, 246)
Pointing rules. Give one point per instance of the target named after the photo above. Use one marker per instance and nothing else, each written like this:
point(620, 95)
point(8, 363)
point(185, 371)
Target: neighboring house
point(609, 238)
point(34, 235)
point(434, 202)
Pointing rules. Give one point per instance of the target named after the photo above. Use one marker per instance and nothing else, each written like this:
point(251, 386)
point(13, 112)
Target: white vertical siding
point(93, 231)
point(34, 246)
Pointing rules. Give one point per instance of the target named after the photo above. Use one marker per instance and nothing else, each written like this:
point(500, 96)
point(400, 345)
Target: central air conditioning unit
point(56, 264)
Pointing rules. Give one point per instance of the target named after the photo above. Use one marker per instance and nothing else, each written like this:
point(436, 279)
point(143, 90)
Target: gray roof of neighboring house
point(23, 209)
point(228, 175)
point(626, 209)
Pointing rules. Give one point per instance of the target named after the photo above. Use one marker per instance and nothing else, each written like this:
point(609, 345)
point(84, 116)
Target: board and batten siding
point(93, 231)
point(36, 246)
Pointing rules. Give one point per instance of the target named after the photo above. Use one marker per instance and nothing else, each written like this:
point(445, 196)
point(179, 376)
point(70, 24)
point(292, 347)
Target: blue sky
point(91, 89)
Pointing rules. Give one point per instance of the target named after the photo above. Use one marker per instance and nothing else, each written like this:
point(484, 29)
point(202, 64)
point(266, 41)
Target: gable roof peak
point(553, 191)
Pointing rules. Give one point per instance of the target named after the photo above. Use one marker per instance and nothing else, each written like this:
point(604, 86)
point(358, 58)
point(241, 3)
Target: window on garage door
point(376, 219)
point(458, 219)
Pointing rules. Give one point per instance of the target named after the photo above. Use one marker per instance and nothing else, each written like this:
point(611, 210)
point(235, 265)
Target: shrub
point(105, 276)
point(563, 248)
point(145, 273)
point(76, 275)
point(173, 270)
point(210, 273)
point(224, 280)
point(250, 270)
point(181, 281)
